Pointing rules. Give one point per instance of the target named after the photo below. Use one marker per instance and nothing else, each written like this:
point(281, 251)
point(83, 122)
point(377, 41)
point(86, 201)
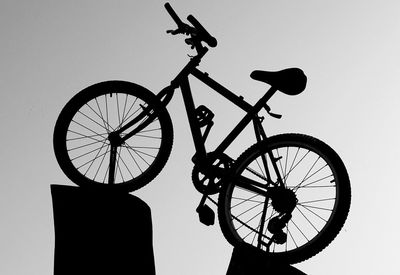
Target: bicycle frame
point(182, 81)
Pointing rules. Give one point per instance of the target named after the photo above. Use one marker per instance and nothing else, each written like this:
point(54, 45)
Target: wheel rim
point(88, 138)
point(314, 182)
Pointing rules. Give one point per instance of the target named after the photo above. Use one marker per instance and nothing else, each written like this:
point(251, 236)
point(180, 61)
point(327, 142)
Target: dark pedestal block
point(101, 233)
point(247, 260)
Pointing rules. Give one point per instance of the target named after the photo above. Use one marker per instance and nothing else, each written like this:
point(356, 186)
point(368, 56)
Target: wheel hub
point(115, 139)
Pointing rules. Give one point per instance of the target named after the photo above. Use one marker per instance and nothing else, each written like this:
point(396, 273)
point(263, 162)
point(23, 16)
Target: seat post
point(264, 99)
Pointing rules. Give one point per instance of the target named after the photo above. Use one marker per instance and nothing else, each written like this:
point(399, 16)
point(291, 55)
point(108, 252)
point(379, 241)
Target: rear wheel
point(85, 131)
point(312, 172)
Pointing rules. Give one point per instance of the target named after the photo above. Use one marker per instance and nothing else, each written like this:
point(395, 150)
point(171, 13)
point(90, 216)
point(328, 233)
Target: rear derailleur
point(283, 201)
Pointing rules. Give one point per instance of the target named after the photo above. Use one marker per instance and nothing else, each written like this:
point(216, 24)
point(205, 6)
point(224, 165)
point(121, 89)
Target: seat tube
point(260, 135)
point(193, 122)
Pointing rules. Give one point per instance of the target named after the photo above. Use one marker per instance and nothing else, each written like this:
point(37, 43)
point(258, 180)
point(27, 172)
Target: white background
point(349, 50)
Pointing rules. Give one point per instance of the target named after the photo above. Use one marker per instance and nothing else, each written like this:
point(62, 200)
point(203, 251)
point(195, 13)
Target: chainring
point(209, 181)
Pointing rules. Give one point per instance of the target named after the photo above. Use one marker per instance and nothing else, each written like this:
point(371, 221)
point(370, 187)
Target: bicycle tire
point(81, 132)
point(329, 214)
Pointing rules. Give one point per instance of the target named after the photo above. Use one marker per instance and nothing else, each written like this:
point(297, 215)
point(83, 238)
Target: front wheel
point(311, 172)
point(90, 152)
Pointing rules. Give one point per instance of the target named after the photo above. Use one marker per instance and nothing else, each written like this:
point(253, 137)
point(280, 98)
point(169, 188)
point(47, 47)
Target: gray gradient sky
point(349, 50)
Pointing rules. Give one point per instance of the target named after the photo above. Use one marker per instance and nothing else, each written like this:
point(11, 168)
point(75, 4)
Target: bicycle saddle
point(290, 81)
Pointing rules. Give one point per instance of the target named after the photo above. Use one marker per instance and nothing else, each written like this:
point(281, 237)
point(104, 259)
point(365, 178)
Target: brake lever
point(268, 109)
point(184, 29)
point(174, 32)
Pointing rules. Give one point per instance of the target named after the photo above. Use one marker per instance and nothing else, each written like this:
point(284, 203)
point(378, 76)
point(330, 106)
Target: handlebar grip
point(173, 14)
point(210, 40)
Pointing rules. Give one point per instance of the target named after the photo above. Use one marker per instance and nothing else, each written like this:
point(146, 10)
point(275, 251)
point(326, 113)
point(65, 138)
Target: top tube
point(235, 99)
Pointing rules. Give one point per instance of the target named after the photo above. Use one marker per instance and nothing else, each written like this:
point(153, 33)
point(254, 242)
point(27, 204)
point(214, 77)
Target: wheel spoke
point(286, 160)
point(244, 224)
point(84, 164)
point(134, 160)
point(330, 199)
point(105, 125)
point(315, 181)
point(106, 103)
point(85, 127)
point(298, 209)
point(100, 165)
point(308, 172)
point(82, 136)
point(123, 112)
point(97, 154)
point(127, 167)
point(131, 115)
point(243, 200)
point(320, 208)
point(86, 145)
point(249, 209)
point(262, 175)
point(291, 166)
point(125, 117)
point(118, 111)
point(300, 161)
point(249, 220)
point(298, 228)
point(291, 236)
point(135, 149)
point(146, 136)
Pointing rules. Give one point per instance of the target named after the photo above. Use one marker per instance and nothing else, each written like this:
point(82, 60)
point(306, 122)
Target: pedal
point(206, 215)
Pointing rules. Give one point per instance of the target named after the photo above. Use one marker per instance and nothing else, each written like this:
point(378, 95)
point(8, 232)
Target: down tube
point(251, 115)
point(234, 133)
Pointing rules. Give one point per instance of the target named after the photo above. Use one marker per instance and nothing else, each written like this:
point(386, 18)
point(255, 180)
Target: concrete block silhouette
point(98, 232)
point(247, 260)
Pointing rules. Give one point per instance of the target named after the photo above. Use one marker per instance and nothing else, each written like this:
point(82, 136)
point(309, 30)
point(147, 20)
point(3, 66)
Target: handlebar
point(197, 32)
point(173, 14)
point(210, 40)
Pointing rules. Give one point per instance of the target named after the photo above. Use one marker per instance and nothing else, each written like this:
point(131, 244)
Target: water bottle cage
point(204, 118)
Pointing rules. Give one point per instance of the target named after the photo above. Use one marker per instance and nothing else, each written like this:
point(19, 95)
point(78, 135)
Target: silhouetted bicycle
point(288, 194)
